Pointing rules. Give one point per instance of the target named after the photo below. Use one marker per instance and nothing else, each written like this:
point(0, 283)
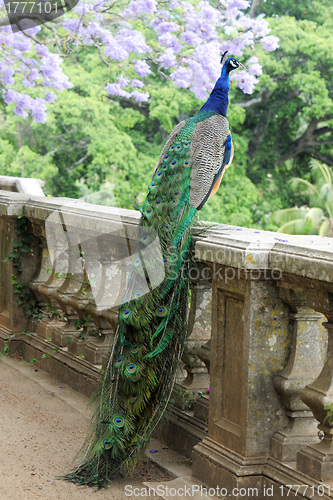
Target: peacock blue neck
point(218, 100)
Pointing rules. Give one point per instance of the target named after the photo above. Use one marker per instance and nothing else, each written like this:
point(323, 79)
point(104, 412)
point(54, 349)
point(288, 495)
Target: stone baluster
point(43, 276)
point(303, 366)
point(316, 460)
point(197, 378)
point(89, 340)
point(108, 288)
point(64, 333)
point(56, 278)
point(79, 301)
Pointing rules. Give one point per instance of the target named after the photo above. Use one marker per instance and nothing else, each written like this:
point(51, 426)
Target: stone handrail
point(261, 314)
point(23, 185)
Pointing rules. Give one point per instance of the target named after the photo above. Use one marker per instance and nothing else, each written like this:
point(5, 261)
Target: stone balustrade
point(261, 336)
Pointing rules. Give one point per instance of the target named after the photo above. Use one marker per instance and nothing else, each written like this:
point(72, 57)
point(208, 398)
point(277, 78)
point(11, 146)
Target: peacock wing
point(210, 147)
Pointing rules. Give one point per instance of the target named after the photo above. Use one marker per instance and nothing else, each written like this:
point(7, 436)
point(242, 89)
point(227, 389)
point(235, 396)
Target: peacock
point(137, 380)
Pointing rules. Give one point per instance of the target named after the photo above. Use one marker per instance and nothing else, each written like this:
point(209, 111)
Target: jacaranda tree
point(182, 40)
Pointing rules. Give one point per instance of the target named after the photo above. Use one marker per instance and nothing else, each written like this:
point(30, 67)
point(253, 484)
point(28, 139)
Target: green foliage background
point(91, 143)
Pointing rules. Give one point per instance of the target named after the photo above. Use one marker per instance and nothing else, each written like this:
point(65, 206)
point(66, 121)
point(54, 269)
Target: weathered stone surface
point(253, 335)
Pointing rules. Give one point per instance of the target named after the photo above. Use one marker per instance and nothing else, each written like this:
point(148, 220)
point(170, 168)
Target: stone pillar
point(303, 366)
point(316, 460)
point(249, 346)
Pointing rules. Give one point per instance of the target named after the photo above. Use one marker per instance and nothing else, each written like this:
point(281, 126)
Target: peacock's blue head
point(231, 63)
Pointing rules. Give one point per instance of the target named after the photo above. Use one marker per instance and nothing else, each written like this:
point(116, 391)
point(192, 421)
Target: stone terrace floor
point(42, 426)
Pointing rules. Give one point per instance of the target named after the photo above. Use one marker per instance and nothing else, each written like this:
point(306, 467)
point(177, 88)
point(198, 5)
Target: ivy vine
point(22, 246)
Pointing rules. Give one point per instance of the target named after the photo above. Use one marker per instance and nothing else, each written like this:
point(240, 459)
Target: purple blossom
point(169, 40)
point(191, 38)
point(140, 96)
point(163, 27)
point(235, 7)
point(238, 4)
point(33, 31)
point(7, 76)
point(114, 51)
point(137, 83)
point(196, 26)
point(138, 7)
point(72, 25)
point(246, 81)
point(115, 89)
point(182, 77)
point(50, 96)
point(168, 59)
point(22, 43)
point(123, 82)
point(83, 8)
point(260, 27)
point(133, 41)
point(9, 95)
point(20, 112)
point(270, 42)
point(142, 68)
point(208, 13)
point(42, 50)
point(198, 90)
point(39, 115)
point(254, 67)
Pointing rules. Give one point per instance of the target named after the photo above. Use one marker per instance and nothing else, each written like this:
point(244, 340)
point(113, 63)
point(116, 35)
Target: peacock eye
point(107, 443)
point(118, 421)
point(161, 311)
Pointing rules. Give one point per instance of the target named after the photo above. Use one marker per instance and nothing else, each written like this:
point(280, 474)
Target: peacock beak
point(241, 65)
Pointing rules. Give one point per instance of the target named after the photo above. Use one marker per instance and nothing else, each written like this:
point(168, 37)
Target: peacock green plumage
point(138, 378)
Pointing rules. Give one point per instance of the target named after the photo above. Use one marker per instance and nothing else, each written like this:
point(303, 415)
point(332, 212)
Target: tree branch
point(322, 131)
point(307, 143)
point(321, 157)
point(264, 95)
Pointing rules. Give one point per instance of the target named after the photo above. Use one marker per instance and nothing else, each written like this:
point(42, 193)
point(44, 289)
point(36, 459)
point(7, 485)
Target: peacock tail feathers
point(137, 380)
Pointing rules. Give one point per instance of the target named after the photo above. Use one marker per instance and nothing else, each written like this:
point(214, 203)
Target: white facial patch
point(233, 63)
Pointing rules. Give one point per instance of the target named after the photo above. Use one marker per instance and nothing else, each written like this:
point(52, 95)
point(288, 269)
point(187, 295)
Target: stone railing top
point(73, 213)
point(25, 185)
point(242, 248)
